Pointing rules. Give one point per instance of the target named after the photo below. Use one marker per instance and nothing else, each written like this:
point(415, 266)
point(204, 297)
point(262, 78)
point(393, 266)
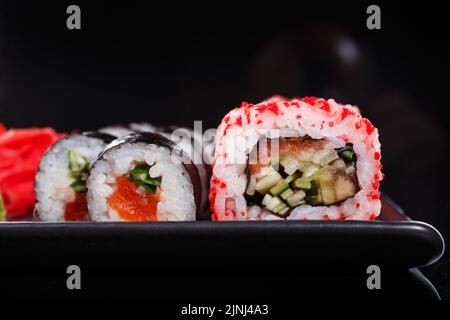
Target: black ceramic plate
point(392, 240)
point(220, 260)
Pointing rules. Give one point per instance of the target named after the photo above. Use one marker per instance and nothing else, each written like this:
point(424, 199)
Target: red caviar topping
point(272, 107)
point(358, 205)
point(295, 103)
point(259, 121)
point(325, 106)
point(226, 128)
point(310, 100)
point(218, 182)
point(374, 195)
point(317, 102)
point(229, 125)
point(331, 123)
point(247, 115)
point(372, 216)
point(377, 156)
point(345, 113)
point(376, 185)
point(369, 127)
point(212, 198)
point(246, 107)
point(379, 176)
point(239, 121)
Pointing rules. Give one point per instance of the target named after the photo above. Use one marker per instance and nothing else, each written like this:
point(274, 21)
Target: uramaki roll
point(143, 177)
point(302, 159)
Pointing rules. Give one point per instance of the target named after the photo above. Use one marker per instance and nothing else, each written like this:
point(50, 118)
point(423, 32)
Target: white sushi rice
point(52, 184)
point(177, 202)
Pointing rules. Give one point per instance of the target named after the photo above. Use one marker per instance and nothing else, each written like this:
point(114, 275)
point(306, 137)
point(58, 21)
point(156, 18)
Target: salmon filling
point(137, 195)
point(300, 171)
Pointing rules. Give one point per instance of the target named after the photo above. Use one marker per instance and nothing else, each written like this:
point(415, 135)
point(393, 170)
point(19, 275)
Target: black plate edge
point(417, 233)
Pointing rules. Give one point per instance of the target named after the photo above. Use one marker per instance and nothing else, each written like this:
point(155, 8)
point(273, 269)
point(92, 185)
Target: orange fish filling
point(77, 210)
point(132, 204)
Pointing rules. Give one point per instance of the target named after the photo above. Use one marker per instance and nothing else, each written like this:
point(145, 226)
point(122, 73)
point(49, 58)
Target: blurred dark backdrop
point(131, 62)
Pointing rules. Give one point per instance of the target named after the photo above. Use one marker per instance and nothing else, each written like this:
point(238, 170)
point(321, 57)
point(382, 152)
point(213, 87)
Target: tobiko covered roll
point(143, 177)
point(60, 184)
point(308, 159)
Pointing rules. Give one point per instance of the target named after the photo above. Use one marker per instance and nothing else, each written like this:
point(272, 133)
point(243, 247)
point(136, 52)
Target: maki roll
point(60, 184)
point(302, 159)
point(189, 141)
point(143, 177)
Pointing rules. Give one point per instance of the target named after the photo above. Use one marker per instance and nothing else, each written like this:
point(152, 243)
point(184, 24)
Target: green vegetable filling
point(141, 176)
point(78, 170)
point(322, 180)
point(347, 155)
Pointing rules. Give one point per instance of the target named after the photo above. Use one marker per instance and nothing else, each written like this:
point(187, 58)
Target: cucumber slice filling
point(289, 181)
point(140, 175)
point(78, 170)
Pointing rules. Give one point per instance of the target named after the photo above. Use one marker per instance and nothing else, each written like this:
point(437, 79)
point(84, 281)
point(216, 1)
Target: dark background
point(176, 64)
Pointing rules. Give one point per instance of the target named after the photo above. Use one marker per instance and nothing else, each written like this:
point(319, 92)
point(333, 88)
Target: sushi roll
point(190, 142)
point(300, 159)
point(143, 177)
point(60, 183)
